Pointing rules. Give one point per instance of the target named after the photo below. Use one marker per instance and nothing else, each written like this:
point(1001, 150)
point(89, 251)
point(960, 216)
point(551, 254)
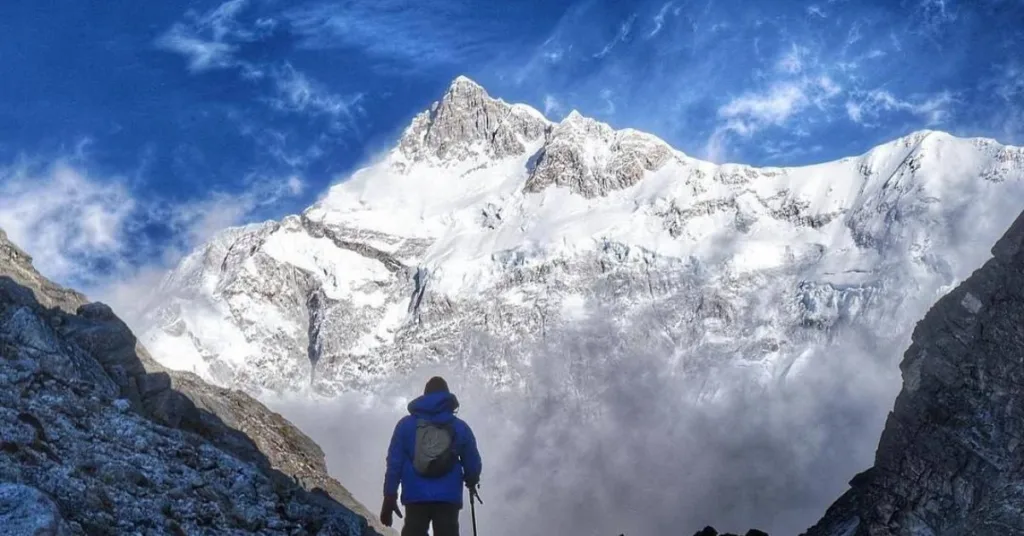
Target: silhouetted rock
point(949, 460)
point(710, 531)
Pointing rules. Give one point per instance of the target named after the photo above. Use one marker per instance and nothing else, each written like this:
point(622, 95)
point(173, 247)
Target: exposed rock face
point(467, 121)
point(949, 460)
point(586, 156)
point(25, 511)
point(96, 438)
point(592, 160)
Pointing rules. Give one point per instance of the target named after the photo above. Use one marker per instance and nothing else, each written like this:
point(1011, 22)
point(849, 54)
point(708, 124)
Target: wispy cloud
point(659, 19)
point(935, 13)
point(1009, 87)
point(296, 92)
point(551, 106)
point(202, 55)
point(751, 112)
point(867, 108)
point(609, 101)
point(211, 40)
point(816, 11)
point(624, 30)
point(405, 34)
point(793, 61)
point(793, 91)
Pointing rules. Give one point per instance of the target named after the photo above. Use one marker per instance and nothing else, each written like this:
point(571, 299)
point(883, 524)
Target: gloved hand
point(472, 485)
point(389, 507)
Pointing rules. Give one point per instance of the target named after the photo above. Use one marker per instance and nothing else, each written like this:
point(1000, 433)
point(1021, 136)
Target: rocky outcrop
point(591, 159)
point(97, 438)
point(467, 120)
point(586, 156)
point(25, 511)
point(949, 460)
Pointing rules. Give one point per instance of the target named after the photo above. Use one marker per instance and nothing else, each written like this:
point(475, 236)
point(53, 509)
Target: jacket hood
point(436, 407)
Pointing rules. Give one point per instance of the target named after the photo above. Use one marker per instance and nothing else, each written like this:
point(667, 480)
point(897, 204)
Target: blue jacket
point(437, 407)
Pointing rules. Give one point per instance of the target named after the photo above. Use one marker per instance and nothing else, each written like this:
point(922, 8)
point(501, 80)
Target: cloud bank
point(606, 439)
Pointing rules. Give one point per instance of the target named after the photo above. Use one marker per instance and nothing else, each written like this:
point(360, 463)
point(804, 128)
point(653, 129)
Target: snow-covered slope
point(489, 220)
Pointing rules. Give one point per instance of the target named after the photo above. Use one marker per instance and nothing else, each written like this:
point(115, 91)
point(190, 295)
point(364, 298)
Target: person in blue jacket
point(431, 483)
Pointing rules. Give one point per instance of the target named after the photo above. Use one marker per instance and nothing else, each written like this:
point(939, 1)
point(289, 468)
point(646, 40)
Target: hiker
point(432, 455)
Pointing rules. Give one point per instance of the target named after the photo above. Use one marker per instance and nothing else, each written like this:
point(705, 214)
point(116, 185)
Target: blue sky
point(131, 130)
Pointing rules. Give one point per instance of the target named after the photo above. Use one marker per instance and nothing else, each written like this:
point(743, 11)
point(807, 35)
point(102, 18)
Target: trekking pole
point(473, 497)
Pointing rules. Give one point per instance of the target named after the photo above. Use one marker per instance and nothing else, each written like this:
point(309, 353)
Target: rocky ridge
point(949, 461)
point(97, 438)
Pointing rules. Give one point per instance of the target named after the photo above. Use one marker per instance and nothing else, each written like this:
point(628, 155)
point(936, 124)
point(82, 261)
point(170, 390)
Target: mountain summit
point(467, 122)
point(489, 219)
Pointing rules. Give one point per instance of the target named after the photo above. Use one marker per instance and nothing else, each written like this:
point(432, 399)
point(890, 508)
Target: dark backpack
point(434, 452)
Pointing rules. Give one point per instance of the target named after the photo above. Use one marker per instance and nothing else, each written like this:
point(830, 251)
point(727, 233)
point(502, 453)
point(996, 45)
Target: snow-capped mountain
point(488, 220)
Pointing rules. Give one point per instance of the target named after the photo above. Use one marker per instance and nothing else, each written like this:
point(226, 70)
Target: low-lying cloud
point(604, 438)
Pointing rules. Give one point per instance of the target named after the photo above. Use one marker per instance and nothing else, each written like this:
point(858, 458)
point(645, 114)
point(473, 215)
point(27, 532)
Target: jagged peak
point(463, 84)
point(573, 117)
point(466, 121)
point(464, 92)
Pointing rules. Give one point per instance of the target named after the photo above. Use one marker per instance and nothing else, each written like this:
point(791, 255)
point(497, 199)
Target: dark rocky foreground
point(97, 438)
point(950, 460)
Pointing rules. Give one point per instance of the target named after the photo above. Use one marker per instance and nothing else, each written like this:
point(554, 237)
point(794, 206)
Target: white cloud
point(1009, 86)
point(295, 185)
point(202, 55)
point(817, 11)
point(624, 30)
point(790, 93)
point(659, 19)
point(551, 105)
point(854, 111)
point(854, 35)
point(793, 61)
point(871, 105)
point(779, 105)
point(63, 218)
point(609, 104)
point(90, 232)
point(553, 56)
point(222, 20)
point(208, 40)
point(751, 111)
point(296, 92)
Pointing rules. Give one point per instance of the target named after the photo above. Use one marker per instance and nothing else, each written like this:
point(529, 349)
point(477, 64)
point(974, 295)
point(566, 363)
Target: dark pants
point(419, 516)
